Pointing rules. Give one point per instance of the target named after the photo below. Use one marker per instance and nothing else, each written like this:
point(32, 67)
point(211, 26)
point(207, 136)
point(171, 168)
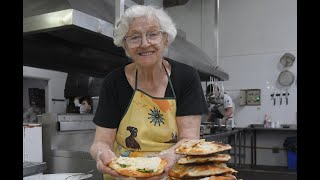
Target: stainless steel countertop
point(31, 168)
point(220, 134)
point(270, 129)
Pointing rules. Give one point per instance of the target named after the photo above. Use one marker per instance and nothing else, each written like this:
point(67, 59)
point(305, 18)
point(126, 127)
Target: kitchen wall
point(31, 83)
point(54, 89)
point(253, 35)
point(29, 113)
point(197, 22)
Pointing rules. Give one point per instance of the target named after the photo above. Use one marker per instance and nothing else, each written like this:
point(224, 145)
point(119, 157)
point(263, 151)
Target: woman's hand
point(104, 157)
point(171, 157)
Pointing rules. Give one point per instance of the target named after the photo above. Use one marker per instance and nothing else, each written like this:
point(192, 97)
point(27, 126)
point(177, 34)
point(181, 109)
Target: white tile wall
point(257, 27)
point(253, 35)
point(53, 90)
point(248, 73)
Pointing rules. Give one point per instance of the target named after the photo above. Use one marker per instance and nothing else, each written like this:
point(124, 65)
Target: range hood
point(76, 36)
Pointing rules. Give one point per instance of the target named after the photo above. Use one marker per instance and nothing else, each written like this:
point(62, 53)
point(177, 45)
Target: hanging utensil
point(222, 90)
point(213, 83)
point(274, 97)
point(280, 96)
point(287, 93)
point(216, 89)
point(286, 78)
point(287, 59)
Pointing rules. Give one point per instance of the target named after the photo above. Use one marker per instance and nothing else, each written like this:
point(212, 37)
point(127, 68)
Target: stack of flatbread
point(203, 160)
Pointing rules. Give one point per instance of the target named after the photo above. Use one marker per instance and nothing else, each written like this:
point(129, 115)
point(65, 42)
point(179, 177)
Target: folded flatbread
point(138, 166)
point(199, 170)
point(224, 177)
point(201, 147)
point(220, 177)
point(218, 158)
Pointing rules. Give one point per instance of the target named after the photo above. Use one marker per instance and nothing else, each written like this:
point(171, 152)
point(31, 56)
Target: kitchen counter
point(213, 136)
point(253, 131)
point(31, 168)
point(235, 134)
point(269, 129)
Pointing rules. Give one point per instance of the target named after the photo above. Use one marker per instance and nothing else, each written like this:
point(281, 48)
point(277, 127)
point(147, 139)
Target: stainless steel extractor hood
point(73, 36)
point(76, 36)
point(183, 51)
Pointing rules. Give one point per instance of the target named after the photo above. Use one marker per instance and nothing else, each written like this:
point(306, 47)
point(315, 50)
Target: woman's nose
point(144, 42)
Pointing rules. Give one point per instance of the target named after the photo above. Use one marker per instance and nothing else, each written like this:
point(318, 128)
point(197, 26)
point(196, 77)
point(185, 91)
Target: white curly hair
point(122, 24)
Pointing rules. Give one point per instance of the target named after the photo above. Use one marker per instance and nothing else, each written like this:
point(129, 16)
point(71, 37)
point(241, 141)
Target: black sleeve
point(190, 97)
point(108, 112)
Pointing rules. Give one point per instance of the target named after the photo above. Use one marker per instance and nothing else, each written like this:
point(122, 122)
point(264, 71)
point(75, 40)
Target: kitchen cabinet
point(32, 143)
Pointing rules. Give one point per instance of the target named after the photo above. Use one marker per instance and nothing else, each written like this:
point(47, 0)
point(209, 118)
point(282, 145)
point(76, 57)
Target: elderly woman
point(150, 105)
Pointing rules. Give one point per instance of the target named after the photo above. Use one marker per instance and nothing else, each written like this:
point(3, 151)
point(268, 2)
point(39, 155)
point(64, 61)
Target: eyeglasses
point(153, 37)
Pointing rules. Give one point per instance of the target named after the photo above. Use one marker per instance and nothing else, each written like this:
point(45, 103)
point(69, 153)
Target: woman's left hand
point(171, 157)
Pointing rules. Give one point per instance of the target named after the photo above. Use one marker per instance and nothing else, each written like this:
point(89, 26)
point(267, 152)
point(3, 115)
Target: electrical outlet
point(275, 150)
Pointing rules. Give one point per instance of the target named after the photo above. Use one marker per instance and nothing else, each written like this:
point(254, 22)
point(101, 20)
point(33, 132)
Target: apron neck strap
point(174, 94)
point(136, 81)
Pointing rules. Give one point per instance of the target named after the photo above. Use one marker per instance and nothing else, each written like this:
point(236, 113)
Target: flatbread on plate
point(138, 166)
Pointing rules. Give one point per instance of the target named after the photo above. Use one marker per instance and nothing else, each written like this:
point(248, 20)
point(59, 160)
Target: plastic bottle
point(265, 121)
point(269, 122)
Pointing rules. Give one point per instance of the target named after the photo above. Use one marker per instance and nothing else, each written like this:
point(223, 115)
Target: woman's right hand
point(104, 157)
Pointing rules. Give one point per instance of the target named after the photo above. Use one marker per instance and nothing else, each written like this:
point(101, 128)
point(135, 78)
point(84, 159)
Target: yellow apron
point(148, 126)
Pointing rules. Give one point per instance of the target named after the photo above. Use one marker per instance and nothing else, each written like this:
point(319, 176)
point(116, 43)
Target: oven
point(66, 142)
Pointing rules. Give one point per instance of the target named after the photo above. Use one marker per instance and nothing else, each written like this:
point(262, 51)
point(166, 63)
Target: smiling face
point(146, 54)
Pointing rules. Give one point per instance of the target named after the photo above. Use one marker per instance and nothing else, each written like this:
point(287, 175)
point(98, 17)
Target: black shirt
point(116, 94)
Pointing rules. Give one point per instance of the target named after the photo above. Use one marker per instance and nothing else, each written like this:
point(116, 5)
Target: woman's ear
point(166, 41)
point(125, 47)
